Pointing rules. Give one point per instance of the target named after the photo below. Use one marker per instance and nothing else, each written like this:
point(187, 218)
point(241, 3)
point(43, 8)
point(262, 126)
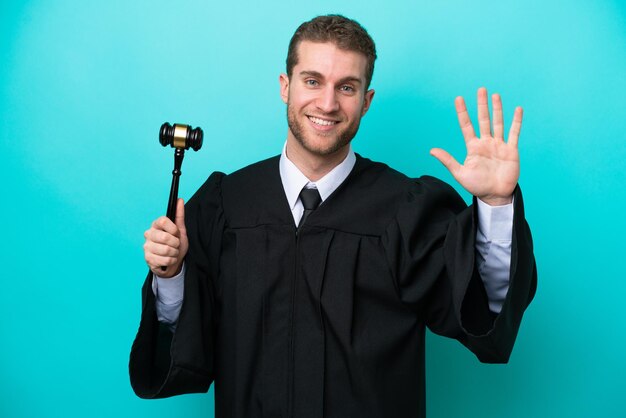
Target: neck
point(314, 166)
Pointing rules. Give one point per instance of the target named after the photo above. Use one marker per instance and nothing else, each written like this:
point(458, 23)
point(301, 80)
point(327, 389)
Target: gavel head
point(180, 136)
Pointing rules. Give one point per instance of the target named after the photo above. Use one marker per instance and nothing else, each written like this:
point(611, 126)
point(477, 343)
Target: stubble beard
point(342, 138)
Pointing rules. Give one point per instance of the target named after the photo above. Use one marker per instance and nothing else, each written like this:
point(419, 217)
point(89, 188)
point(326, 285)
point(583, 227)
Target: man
point(296, 308)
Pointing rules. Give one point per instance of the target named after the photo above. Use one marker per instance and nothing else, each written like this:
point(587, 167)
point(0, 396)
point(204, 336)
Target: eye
point(311, 82)
point(347, 89)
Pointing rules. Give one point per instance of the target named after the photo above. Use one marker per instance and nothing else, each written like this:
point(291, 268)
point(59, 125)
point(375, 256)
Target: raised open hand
point(491, 168)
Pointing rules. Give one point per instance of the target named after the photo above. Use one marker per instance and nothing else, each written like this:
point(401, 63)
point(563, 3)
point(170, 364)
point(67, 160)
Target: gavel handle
point(171, 204)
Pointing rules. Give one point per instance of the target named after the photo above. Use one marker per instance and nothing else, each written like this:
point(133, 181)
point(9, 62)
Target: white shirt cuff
point(495, 222)
point(493, 250)
point(169, 291)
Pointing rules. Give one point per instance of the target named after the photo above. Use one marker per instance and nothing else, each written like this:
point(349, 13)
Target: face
point(325, 98)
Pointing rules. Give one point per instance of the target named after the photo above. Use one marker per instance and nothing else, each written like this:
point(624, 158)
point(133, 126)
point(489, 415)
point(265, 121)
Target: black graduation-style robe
point(329, 321)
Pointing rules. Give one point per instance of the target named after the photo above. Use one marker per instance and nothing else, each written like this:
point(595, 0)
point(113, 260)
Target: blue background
point(85, 85)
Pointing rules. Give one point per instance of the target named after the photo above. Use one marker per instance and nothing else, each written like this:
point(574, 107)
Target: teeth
point(322, 122)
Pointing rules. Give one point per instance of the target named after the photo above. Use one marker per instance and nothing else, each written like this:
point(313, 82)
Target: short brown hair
point(346, 33)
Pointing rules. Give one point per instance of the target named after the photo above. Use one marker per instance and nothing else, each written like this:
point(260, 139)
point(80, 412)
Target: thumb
point(446, 159)
point(180, 216)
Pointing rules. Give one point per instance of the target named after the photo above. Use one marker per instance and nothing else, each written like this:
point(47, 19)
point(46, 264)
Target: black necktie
point(310, 200)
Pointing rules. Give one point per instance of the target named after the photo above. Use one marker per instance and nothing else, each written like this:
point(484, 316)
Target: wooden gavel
point(180, 137)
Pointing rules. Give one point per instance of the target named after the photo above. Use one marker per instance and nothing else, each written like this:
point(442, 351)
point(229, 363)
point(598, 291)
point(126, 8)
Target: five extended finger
point(464, 120)
point(516, 126)
point(483, 113)
point(498, 122)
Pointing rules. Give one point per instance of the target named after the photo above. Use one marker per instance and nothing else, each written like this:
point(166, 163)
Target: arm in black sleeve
point(163, 363)
point(491, 337)
point(431, 248)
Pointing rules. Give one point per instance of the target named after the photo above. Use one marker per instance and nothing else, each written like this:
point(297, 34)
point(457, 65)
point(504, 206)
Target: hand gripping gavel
point(181, 137)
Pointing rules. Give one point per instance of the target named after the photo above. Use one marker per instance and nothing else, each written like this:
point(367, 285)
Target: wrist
point(169, 272)
point(496, 200)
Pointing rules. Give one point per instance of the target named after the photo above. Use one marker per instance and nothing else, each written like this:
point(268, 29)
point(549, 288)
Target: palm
point(491, 168)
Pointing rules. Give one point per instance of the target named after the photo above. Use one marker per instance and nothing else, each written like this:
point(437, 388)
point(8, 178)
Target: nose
point(327, 101)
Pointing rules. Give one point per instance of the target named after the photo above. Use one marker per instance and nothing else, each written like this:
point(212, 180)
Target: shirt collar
point(294, 181)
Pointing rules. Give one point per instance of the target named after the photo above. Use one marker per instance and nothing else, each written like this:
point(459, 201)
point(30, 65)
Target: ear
point(367, 101)
point(283, 79)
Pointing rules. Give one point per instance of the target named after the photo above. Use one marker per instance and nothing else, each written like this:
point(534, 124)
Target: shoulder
point(245, 177)
point(250, 172)
point(254, 195)
point(245, 197)
point(253, 179)
point(380, 177)
point(207, 197)
point(374, 195)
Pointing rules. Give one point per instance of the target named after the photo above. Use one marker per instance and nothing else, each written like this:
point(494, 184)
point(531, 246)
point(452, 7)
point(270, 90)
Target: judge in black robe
point(329, 321)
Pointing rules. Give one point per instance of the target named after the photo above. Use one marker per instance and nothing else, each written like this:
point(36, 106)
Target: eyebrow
point(316, 74)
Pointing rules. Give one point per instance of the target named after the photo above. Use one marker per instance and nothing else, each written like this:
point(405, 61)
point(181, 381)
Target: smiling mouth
point(322, 122)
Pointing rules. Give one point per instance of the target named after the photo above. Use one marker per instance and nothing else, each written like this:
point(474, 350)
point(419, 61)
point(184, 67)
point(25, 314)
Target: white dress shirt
point(493, 238)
